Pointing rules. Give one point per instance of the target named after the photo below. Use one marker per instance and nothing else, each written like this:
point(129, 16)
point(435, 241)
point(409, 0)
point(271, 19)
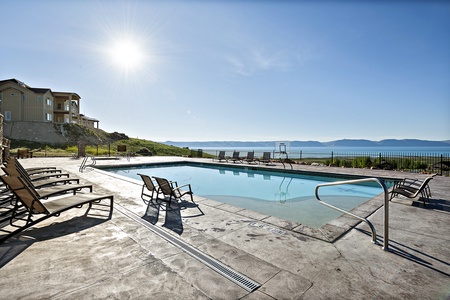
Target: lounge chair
point(236, 157)
point(14, 183)
point(36, 170)
point(17, 170)
point(148, 187)
point(171, 190)
point(411, 188)
point(41, 182)
point(266, 158)
point(222, 156)
point(250, 157)
point(34, 206)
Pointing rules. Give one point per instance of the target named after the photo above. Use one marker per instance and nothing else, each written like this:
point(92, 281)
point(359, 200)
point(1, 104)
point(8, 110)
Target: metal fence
point(405, 161)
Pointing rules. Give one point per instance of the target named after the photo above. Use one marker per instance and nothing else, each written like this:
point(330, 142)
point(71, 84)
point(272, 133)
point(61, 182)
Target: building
point(20, 102)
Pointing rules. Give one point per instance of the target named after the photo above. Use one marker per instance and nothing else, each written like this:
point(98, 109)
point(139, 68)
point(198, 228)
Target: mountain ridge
point(337, 143)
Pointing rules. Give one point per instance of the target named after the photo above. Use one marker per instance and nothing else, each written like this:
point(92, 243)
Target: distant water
point(320, 152)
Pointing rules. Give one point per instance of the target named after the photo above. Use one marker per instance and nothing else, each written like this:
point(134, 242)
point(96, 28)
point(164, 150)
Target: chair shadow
point(12, 247)
point(433, 203)
point(405, 251)
point(172, 220)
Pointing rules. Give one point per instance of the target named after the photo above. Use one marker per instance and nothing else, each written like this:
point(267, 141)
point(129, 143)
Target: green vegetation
point(400, 163)
point(134, 146)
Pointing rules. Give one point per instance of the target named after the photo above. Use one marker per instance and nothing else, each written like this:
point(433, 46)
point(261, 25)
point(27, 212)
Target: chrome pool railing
point(386, 207)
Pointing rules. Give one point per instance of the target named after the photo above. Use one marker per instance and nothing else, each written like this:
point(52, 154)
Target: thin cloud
point(255, 62)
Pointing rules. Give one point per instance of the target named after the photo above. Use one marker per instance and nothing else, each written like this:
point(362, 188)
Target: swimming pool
point(287, 196)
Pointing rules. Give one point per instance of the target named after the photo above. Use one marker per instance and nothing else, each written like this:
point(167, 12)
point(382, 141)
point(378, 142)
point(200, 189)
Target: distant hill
point(351, 143)
point(337, 143)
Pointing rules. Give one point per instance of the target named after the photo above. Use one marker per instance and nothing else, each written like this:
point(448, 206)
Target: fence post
point(441, 165)
point(332, 157)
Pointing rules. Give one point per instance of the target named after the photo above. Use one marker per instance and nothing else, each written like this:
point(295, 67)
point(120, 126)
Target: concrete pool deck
point(91, 257)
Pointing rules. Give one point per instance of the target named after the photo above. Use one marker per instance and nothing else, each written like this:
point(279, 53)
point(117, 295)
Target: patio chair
point(222, 156)
point(148, 186)
point(411, 188)
point(173, 191)
point(30, 200)
point(236, 157)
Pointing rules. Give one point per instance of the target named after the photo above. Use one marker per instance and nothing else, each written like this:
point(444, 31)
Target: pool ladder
point(386, 207)
point(83, 163)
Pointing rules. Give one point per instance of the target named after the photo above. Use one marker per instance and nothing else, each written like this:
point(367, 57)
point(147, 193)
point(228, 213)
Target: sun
point(126, 54)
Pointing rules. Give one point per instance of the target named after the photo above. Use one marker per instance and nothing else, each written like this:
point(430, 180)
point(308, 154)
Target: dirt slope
point(57, 134)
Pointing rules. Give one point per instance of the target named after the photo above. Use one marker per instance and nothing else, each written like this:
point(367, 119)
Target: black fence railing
point(417, 162)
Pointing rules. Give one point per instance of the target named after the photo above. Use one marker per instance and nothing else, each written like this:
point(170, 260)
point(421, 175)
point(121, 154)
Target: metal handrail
point(83, 163)
point(386, 207)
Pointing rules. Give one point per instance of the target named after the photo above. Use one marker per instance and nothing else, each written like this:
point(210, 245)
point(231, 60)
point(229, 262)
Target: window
point(40, 98)
point(49, 117)
point(49, 102)
point(7, 116)
point(59, 106)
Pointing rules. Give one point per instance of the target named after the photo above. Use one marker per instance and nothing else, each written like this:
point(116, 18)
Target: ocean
point(323, 152)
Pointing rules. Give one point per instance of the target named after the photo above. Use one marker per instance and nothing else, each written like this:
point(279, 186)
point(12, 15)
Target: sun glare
point(127, 54)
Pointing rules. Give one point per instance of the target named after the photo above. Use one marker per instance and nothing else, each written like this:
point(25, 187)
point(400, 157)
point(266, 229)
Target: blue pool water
point(283, 195)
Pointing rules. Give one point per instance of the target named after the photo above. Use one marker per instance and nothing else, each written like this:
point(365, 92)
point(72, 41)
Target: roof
point(22, 84)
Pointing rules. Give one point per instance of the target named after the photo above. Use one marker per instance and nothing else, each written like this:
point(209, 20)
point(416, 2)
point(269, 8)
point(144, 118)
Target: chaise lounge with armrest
point(222, 156)
point(411, 188)
point(28, 198)
point(266, 158)
point(251, 158)
point(236, 157)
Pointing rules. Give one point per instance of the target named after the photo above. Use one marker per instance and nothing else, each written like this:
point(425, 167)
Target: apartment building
point(20, 102)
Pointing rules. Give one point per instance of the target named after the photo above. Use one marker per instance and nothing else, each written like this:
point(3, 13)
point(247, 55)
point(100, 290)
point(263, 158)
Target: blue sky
point(240, 70)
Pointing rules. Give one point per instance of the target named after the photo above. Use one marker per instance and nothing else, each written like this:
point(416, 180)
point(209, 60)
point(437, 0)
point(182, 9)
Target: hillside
point(56, 134)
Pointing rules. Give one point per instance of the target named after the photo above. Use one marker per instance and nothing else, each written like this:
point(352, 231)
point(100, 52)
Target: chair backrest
point(27, 195)
point(425, 183)
point(251, 155)
point(222, 154)
point(236, 154)
point(10, 170)
point(148, 182)
point(266, 156)
point(164, 186)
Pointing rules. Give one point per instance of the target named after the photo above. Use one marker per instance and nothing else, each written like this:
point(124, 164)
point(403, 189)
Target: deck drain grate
point(236, 277)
